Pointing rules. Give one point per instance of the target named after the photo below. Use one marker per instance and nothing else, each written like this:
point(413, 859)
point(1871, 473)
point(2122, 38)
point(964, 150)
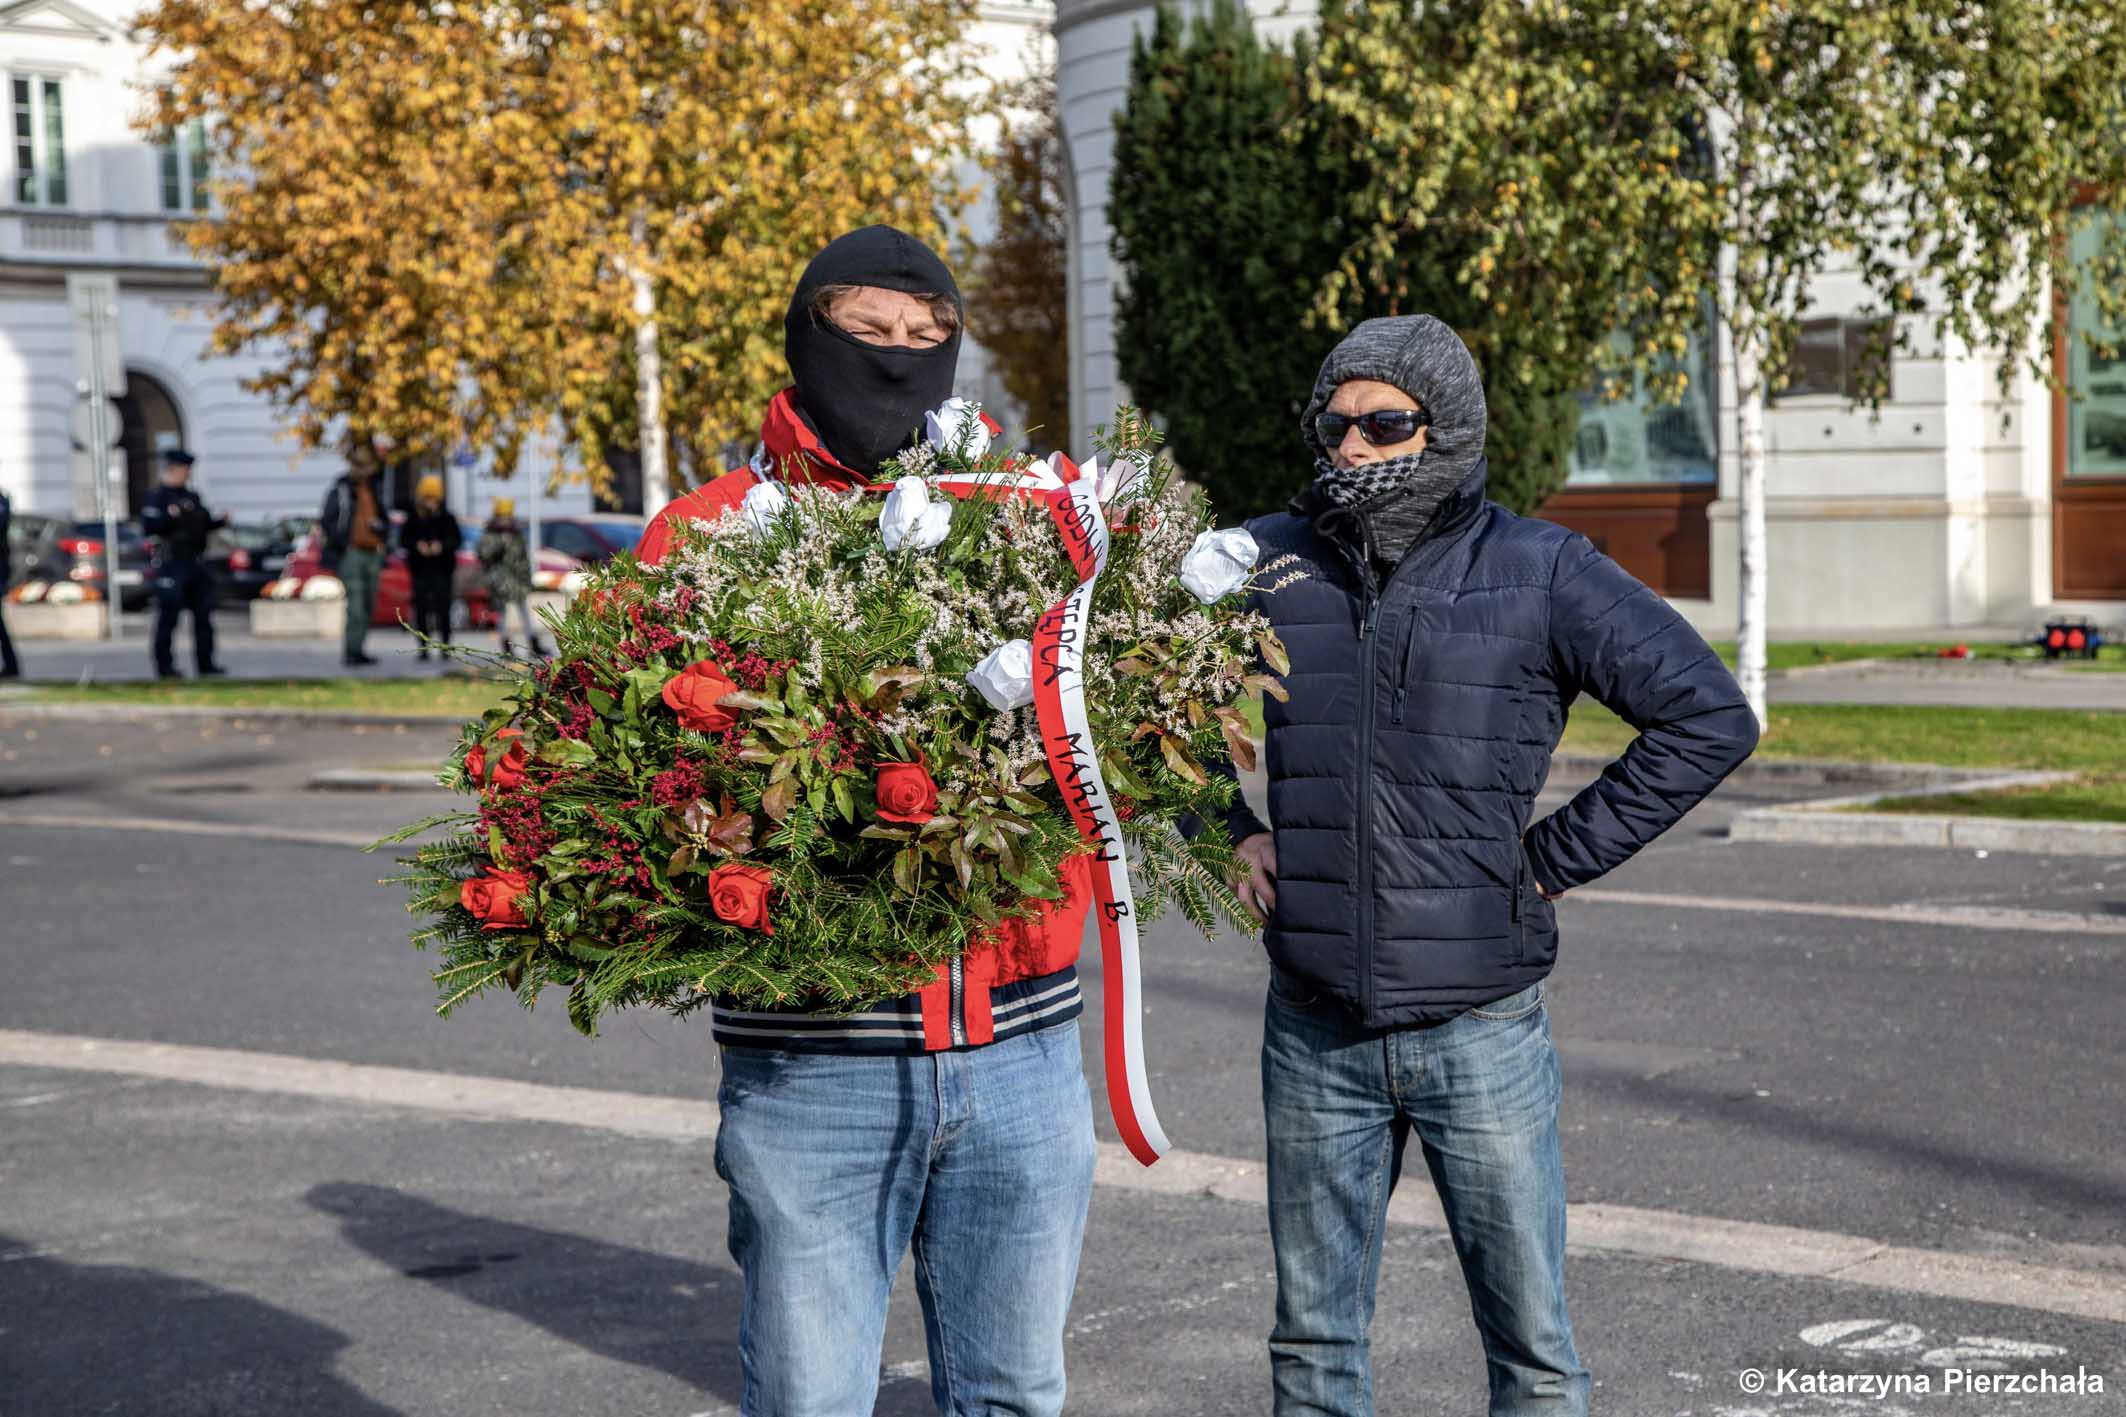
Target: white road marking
point(244, 831)
point(1596, 1227)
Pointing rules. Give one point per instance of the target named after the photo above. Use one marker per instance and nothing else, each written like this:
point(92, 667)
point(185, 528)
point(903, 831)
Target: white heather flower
point(955, 426)
point(912, 519)
point(765, 502)
point(1218, 564)
point(1005, 675)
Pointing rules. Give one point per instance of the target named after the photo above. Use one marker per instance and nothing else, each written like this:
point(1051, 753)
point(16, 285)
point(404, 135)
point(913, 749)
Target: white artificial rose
point(65, 593)
point(763, 504)
point(323, 588)
point(1005, 676)
point(912, 519)
point(1218, 564)
point(955, 426)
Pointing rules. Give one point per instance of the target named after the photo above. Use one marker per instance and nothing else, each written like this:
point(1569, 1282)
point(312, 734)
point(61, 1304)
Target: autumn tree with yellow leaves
point(454, 225)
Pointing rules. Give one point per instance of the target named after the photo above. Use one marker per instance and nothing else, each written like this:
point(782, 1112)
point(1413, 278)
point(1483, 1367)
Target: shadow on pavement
point(111, 1338)
point(677, 1316)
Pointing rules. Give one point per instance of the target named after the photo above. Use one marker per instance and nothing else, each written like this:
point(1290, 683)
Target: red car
point(394, 585)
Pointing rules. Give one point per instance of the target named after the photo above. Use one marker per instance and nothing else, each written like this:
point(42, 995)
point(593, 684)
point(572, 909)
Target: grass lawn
point(2055, 739)
point(446, 698)
point(2099, 797)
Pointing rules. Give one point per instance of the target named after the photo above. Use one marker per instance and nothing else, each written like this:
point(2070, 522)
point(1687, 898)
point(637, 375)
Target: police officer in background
point(179, 524)
point(10, 668)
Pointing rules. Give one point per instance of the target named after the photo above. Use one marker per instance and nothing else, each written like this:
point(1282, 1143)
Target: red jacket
point(1021, 976)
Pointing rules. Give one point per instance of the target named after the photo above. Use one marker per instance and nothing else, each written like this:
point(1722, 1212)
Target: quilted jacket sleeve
point(1614, 639)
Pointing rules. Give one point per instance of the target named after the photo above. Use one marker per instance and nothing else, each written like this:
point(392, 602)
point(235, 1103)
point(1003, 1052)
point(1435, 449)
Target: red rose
point(509, 771)
point(493, 897)
point(906, 793)
point(693, 693)
point(739, 894)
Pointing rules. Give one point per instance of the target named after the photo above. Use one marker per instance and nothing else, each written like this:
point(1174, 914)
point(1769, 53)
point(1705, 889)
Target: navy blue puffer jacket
point(1422, 719)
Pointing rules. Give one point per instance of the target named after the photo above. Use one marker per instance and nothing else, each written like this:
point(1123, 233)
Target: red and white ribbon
point(1059, 641)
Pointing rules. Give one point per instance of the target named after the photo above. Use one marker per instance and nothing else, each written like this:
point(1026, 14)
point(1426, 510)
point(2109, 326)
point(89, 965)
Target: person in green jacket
point(505, 562)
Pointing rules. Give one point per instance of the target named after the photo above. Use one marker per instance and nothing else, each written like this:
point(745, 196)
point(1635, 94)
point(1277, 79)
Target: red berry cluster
point(679, 786)
point(751, 670)
point(521, 819)
point(623, 860)
point(647, 639)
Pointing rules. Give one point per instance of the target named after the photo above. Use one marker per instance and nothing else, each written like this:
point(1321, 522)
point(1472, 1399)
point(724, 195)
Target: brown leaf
point(732, 834)
point(1273, 652)
point(1177, 757)
point(779, 799)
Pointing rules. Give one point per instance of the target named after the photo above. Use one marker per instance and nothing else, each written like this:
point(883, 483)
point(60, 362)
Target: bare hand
point(1258, 856)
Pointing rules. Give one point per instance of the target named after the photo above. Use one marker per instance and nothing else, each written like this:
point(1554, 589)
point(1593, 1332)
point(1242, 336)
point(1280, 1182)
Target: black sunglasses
point(1386, 427)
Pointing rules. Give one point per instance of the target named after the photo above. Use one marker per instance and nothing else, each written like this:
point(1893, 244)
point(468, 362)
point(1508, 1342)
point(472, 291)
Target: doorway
point(148, 423)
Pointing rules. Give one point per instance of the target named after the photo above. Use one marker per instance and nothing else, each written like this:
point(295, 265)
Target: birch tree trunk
point(649, 378)
point(1751, 634)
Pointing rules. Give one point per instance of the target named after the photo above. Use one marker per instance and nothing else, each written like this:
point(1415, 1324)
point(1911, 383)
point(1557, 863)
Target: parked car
point(83, 542)
point(33, 549)
point(244, 560)
point(590, 540)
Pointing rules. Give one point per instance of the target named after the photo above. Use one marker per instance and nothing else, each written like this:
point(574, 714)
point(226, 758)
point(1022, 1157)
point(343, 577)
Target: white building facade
point(81, 192)
point(1952, 507)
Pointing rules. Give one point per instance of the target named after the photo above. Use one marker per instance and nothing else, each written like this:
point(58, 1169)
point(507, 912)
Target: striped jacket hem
point(896, 1026)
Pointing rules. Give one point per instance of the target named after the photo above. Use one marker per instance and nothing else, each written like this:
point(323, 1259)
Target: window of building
point(1838, 356)
point(38, 139)
point(185, 168)
point(2096, 413)
point(1629, 442)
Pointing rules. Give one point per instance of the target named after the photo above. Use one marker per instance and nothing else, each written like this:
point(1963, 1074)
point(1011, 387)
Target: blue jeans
point(1340, 1104)
point(982, 1158)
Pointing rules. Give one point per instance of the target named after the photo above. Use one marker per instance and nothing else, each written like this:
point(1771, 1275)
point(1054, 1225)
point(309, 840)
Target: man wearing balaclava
point(956, 1119)
point(872, 338)
point(1436, 641)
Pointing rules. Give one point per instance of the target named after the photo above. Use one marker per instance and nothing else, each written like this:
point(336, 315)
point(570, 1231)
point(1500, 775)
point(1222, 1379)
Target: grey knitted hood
point(1427, 360)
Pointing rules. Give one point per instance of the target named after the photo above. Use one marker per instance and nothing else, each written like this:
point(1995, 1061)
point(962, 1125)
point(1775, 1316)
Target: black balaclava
point(866, 402)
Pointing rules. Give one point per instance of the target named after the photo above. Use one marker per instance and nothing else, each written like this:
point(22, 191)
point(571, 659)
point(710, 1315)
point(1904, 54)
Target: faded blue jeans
point(981, 1158)
point(1340, 1104)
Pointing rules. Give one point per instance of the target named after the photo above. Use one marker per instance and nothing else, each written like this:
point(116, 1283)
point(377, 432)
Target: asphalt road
point(169, 1246)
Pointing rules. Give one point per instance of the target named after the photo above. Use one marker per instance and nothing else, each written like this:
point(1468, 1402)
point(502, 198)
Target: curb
point(1828, 772)
point(1831, 822)
point(294, 718)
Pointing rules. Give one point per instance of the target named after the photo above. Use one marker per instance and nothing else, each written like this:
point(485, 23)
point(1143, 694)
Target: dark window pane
point(173, 190)
point(1819, 359)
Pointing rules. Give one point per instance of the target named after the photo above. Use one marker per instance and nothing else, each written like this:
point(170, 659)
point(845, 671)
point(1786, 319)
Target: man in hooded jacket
point(957, 1119)
point(1437, 641)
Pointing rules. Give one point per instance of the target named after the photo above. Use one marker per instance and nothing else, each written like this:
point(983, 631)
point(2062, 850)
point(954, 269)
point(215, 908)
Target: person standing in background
point(10, 667)
point(430, 540)
point(355, 530)
point(177, 521)
point(506, 564)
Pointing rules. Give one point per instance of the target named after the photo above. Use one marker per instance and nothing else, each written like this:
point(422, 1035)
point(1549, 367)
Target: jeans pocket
point(1511, 1008)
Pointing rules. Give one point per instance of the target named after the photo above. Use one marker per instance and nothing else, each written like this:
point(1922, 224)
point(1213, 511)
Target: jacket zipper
point(1368, 640)
point(959, 1002)
point(1402, 680)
